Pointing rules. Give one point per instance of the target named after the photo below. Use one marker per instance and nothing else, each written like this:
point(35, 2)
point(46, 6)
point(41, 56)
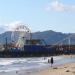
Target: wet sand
point(66, 69)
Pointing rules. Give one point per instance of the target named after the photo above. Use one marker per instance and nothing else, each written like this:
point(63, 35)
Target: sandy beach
point(63, 65)
point(66, 69)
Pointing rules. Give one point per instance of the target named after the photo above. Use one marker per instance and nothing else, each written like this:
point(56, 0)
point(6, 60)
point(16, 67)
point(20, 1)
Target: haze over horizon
point(39, 15)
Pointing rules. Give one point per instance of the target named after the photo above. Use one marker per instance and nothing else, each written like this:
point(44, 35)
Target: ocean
point(17, 66)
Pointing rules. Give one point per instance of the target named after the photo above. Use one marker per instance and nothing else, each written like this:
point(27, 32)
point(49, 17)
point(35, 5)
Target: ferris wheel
point(20, 34)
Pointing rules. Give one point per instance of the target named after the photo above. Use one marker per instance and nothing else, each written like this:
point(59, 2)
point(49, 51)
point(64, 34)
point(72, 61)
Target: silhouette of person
point(52, 61)
point(16, 72)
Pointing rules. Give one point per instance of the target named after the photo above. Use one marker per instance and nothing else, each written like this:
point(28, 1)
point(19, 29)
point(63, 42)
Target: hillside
point(50, 37)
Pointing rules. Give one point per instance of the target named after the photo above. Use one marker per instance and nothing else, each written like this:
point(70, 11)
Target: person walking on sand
point(52, 61)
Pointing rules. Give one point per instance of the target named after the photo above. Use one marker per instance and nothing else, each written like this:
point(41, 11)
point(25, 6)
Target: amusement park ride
point(20, 34)
point(21, 37)
point(23, 44)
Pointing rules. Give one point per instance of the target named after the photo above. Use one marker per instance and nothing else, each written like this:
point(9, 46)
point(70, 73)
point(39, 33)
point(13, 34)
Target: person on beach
point(16, 72)
point(48, 60)
point(52, 61)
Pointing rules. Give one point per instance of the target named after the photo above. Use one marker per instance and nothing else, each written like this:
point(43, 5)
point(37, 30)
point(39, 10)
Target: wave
point(27, 64)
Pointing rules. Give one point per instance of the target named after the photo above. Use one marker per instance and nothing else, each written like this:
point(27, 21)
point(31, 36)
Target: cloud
point(10, 26)
point(58, 6)
point(13, 25)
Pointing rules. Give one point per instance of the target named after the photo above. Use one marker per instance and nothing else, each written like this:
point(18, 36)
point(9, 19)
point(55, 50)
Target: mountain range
point(50, 37)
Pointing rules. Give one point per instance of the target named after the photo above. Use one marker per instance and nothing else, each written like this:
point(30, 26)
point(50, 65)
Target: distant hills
point(50, 37)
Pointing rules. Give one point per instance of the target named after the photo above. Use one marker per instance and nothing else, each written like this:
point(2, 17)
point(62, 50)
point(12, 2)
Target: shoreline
point(61, 69)
point(64, 69)
point(58, 66)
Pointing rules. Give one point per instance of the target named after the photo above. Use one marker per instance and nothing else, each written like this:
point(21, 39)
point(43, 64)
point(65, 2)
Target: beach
point(63, 65)
point(65, 69)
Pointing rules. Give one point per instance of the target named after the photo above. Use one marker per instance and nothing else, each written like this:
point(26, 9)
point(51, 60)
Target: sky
point(38, 15)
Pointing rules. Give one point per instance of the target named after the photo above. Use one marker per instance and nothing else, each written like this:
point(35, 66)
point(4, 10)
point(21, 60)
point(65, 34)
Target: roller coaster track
point(67, 38)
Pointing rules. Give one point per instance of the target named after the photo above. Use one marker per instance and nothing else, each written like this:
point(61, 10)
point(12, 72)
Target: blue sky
point(39, 15)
